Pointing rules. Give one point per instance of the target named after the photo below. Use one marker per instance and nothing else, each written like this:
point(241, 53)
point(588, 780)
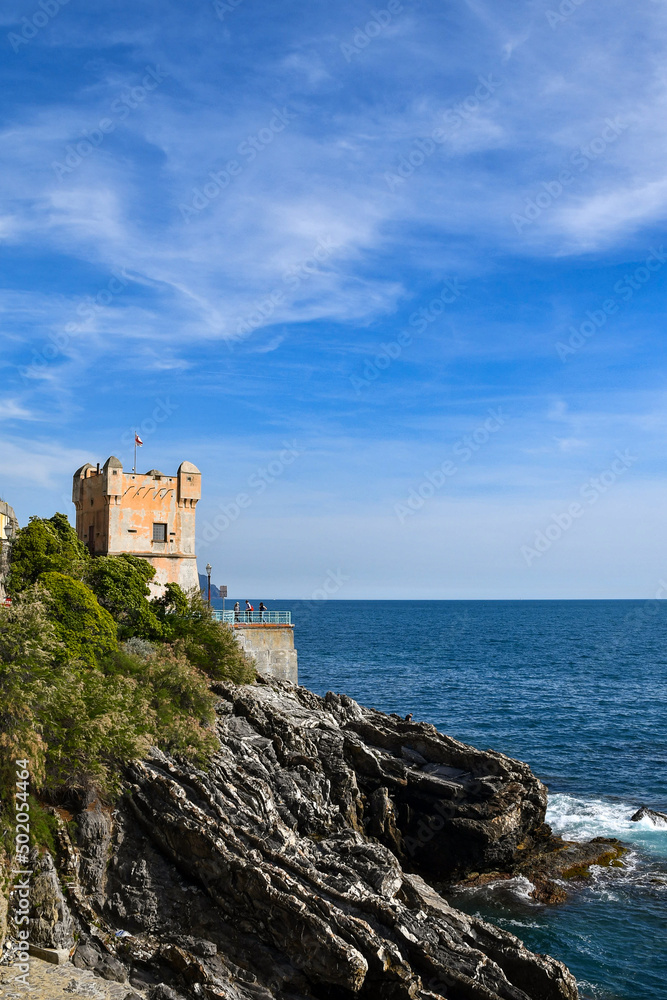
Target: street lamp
point(9, 531)
point(209, 570)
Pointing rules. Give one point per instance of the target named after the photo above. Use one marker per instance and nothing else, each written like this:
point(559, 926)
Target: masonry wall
point(272, 647)
point(116, 512)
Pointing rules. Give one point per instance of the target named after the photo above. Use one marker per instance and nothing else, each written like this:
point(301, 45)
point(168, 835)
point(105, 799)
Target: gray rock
point(657, 818)
point(282, 870)
point(89, 955)
point(51, 924)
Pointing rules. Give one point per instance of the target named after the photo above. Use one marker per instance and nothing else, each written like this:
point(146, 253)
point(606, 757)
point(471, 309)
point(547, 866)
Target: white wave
point(506, 922)
point(583, 819)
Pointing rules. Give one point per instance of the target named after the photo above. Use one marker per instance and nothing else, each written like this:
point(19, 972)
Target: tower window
point(159, 532)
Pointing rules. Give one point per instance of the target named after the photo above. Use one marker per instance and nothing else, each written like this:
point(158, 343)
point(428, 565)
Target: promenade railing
point(254, 617)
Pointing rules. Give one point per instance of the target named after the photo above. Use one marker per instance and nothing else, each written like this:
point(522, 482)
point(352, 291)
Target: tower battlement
point(150, 515)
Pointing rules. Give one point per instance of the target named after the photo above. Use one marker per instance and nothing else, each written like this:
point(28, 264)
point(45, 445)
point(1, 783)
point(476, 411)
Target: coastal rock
point(657, 818)
point(300, 865)
point(51, 924)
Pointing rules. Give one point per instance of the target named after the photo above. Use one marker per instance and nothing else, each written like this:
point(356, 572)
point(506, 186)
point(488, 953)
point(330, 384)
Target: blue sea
point(578, 689)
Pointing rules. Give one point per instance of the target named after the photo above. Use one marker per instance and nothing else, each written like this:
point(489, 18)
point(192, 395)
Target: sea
point(578, 690)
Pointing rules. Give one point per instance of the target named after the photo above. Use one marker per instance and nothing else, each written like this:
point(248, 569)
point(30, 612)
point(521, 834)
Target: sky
point(393, 277)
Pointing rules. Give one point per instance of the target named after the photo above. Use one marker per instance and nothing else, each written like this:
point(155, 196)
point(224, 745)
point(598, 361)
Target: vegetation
point(93, 672)
point(120, 584)
point(45, 546)
point(85, 630)
point(187, 622)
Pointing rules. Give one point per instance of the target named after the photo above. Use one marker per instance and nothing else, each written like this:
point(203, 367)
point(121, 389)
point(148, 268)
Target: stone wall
point(116, 512)
point(272, 647)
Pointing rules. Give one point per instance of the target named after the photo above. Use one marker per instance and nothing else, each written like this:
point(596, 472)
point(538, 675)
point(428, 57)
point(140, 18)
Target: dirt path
point(59, 982)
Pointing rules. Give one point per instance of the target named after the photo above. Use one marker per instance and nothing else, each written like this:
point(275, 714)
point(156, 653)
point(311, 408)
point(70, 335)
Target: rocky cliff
point(301, 865)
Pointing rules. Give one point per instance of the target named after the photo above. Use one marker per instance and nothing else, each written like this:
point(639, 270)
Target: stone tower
point(151, 515)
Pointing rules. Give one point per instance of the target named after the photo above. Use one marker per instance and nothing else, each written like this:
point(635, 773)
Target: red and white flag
point(137, 440)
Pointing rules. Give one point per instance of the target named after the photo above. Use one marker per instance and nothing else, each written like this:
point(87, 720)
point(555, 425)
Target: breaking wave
point(582, 819)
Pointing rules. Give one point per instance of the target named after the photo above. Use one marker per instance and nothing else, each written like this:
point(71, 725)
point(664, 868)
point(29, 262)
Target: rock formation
point(301, 865)
point(657, 818)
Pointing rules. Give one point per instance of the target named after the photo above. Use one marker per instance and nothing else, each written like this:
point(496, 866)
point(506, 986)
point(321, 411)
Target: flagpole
point(135, 452)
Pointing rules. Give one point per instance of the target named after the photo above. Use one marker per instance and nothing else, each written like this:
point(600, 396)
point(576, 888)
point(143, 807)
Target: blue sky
point(393, 277)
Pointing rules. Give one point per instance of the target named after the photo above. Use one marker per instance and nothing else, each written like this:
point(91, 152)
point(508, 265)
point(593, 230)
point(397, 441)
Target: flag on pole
point(137, 441)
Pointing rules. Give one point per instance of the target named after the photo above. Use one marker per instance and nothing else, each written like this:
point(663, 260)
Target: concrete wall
point(116, 511)
point(272, 647)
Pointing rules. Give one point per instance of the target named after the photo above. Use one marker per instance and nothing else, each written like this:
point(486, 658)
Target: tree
point(120, 584)
point(86, 630)
point(45, 545)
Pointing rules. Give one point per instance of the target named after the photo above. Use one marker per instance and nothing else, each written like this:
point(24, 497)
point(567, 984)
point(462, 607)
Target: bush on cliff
point(45, 545)
point(120, 584)
point(188, 622)
point(28, 649)
point(86, 631)
point(76, 703)
point(78, 724)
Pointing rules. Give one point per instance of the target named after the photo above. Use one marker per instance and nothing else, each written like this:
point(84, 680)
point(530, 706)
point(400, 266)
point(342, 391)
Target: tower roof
point(188, 467)
point(80, 473)
point(113, 463)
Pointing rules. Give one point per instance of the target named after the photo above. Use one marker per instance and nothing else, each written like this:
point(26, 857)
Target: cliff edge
point(301, 865)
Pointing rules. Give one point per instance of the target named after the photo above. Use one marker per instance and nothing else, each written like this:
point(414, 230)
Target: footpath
point(59, 982)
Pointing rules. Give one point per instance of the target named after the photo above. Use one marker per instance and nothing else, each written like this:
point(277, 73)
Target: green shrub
point(45, 545)
point(28, 649)
point(85, 629)
point(188, 622)
point(92, 723)
point(181, 700)
point(73, 701)
point(120, 584)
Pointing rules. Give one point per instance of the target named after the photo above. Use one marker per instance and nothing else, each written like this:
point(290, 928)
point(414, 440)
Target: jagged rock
point(51, 924)
point(657, 818)
point(89, 956)
point(298, 866)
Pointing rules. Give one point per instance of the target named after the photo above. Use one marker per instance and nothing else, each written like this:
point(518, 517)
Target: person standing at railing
point(237, 612)
point(248, 611)
point(262, 609)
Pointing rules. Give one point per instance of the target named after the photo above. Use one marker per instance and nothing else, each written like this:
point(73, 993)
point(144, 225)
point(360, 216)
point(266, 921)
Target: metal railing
point(254, 617)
